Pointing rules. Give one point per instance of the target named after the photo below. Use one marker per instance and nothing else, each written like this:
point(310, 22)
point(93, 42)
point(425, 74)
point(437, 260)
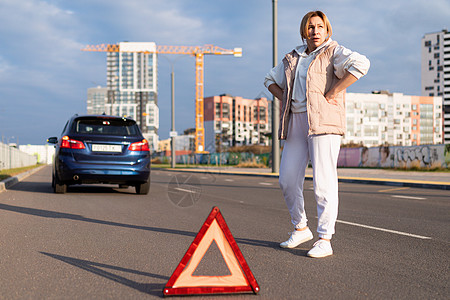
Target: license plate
point(106, 148)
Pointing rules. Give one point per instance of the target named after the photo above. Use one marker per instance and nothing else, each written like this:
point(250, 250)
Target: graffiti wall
point(375, 157)
point(396, 156)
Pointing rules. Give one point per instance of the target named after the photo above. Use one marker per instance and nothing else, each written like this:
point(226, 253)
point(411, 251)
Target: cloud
point(164, 22)
point(40, 42)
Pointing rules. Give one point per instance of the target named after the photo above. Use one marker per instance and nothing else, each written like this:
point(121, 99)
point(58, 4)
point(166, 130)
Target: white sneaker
point(297, 237)
point(321, 248)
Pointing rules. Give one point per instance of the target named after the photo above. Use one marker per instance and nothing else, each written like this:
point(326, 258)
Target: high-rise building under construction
point(131, 87)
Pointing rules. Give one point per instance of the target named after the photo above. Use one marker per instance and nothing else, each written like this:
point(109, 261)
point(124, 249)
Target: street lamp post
point(173, 133)
point(275, 103)
point(172, 82)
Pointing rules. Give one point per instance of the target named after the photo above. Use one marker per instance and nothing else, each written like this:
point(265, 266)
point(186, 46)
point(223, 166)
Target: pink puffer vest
point(323, 118)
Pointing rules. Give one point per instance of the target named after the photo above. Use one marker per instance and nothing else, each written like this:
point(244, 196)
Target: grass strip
point(15, 171)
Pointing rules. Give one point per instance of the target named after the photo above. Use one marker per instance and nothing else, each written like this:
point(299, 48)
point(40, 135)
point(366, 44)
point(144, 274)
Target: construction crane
point(198, 52)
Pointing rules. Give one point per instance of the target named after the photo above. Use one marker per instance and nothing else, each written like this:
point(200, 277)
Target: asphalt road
point(101, 242)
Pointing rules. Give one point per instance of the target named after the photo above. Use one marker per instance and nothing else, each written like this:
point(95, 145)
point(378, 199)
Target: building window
point(225, 110)
point(436, 55)
point(262, 114)
point(217, 110)
point(427, 43)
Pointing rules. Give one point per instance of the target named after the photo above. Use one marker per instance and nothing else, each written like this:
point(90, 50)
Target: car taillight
point(139, 146)
point(67, 142)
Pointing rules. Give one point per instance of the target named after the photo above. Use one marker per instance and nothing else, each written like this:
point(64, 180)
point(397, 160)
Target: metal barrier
point(11, 157)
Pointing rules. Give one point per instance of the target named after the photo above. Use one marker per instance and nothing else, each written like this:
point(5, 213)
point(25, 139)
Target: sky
point(44, 75)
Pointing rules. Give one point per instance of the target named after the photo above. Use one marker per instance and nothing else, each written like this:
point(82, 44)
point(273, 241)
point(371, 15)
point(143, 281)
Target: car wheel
point(53, 181)
point(143, 188)
point(59, 187)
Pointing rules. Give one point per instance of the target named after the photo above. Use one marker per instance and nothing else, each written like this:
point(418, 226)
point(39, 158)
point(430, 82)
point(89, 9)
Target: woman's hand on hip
point(340, 86)
point(331, 97)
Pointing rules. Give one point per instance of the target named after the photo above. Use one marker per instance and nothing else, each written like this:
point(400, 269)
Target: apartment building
point(97, 98)
point(231, 121)
point(393, 118)
point(131, 91)
point(436, 72)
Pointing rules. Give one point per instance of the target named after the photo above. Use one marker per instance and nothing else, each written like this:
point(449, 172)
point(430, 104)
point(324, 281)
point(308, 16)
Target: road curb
point(362, 180)
point(11, 181)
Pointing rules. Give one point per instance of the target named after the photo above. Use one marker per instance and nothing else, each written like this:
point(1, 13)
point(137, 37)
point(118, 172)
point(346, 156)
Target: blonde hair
point(305, 23)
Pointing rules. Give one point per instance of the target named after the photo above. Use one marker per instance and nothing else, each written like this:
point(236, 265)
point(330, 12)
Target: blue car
point(101, 149)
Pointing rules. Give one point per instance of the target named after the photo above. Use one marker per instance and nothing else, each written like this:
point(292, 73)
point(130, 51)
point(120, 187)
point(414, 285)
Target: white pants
point(323, 151)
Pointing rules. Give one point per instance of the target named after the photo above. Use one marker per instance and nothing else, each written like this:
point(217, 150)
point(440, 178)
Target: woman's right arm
point(276, 91)
point(275, 81)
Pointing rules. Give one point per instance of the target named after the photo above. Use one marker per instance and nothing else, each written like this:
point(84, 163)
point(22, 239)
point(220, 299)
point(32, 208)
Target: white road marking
point(229, 180)
point(184, 190)
point(408, 197)
point(385, 230)
point(393, 189)
point(265, 183)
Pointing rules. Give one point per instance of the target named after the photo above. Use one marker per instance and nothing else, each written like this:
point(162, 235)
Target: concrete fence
point(11, 157)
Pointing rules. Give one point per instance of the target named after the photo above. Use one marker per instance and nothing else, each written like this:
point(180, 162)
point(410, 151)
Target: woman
point(311, 82)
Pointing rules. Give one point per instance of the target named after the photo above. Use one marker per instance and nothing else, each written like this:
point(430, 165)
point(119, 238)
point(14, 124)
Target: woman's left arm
point(341, 85)
point(349, 67)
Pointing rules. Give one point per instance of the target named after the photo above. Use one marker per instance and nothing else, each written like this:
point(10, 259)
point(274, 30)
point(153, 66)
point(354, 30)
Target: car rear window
point(104, 126)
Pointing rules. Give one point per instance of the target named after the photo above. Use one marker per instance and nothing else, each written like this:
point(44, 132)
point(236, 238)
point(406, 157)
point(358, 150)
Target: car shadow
point(59, 215)
point(96, 268)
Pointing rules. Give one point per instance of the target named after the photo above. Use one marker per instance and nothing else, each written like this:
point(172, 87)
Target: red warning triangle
point(182, 282)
